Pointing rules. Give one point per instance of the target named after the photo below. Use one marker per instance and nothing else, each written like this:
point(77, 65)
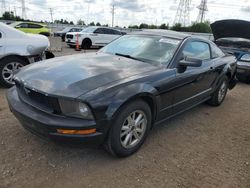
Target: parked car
point(233, 36)
point(32, 27)
point(93, 36)
point(18, 49)
point(116, 95)
point(62, 33)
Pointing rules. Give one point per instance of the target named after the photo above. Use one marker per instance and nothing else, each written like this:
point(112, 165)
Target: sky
point(127, 12)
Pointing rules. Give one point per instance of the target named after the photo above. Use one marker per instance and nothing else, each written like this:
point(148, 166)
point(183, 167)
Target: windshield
point(66, 29)
point(89, 30)
point(155, 50)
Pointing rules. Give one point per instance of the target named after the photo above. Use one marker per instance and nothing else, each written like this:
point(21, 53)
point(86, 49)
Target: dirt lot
point(205, 147)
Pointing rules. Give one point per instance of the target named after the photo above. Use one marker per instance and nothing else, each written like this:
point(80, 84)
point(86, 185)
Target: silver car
point(18, 49)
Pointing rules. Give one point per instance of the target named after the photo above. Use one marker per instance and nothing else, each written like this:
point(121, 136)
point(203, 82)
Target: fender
point(129, 93)
point(25, 58)
point(226, 71)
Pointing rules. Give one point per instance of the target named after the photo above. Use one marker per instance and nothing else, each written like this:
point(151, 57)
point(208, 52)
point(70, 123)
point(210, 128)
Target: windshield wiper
point(130, 57)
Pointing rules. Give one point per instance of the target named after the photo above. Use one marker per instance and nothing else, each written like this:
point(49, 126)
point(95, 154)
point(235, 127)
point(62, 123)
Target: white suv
point(93, 36)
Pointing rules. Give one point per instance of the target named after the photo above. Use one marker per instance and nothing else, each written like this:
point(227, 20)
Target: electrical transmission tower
point(3, 7)
point(23, 9)
point(51, 14)
point(203, 8)
point(183, 13)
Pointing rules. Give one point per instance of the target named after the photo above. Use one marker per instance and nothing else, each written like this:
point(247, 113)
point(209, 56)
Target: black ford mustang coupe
point(115, 96)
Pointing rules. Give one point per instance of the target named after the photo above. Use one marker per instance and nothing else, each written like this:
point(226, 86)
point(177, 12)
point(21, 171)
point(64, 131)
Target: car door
point(2, 43)
point(34, 28)
point(114, 34)
point(194, 84)
point(98, 37)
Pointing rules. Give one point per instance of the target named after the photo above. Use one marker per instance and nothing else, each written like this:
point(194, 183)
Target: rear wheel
point(130, 129)
point(86, 44)
point(8, 67)
point(220, 93)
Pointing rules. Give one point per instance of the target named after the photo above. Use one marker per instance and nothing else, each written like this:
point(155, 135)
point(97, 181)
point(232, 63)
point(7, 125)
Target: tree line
point(194, 27)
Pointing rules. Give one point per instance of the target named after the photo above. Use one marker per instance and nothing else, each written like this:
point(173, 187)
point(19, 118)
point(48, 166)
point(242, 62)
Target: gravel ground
point(204, 147)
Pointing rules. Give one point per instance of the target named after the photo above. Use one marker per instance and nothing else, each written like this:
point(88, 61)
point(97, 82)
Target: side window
point(198, 50)
point(99, 31)
point(107, 31)
point(1, 35)
point(34, 26)
point(216, 52)
point(115, 32)
point(22, 25)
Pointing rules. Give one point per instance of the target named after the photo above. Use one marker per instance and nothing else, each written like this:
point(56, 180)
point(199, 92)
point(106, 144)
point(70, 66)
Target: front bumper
point(243, 68)
point(46, 125)
point(72, 43)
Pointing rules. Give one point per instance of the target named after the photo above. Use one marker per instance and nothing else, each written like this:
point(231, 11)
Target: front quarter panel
point(106, 104)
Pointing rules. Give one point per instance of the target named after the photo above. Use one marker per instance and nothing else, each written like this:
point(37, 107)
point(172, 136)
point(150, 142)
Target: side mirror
point(190, 62)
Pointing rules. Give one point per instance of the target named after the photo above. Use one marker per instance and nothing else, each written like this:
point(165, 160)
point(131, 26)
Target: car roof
point(161, 32)
point(19, 22)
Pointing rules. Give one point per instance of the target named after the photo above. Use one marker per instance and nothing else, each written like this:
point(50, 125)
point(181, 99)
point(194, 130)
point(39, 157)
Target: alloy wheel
point(9, 70)
point(222, 91)
point(133, 129)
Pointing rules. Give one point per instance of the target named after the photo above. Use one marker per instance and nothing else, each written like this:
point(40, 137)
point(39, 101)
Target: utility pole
point(183, 13)
point(3, 7)
point(87, 23)
point(203, 8)
point(51, 14)
point(113, 14)
point(23, 9)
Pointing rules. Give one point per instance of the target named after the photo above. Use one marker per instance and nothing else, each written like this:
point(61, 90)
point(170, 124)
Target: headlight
point(245, 57)
point(75, 109)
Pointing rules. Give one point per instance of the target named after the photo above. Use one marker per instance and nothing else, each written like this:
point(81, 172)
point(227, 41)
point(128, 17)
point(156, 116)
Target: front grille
point(69, 36)
point(38, 100)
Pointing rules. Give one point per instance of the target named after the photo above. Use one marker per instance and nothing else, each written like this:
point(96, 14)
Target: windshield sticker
point(169, 41)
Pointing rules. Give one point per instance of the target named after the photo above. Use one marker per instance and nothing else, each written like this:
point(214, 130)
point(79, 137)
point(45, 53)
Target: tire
point(86, 44)
point(220, 93)
point(116, 143)
point(71, 46)
point(63, 38)
point(8, 67)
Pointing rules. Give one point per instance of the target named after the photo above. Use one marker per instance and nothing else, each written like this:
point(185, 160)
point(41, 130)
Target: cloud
point(245, 9)
point(131, 5)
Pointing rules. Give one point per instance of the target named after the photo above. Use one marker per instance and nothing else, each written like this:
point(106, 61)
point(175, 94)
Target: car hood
point(72, 76)
point(231, 28)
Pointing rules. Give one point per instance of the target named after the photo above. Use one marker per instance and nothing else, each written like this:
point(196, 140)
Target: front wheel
point(129, 130)
point(220, 93)
point(86, 44)
point(8, 67)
